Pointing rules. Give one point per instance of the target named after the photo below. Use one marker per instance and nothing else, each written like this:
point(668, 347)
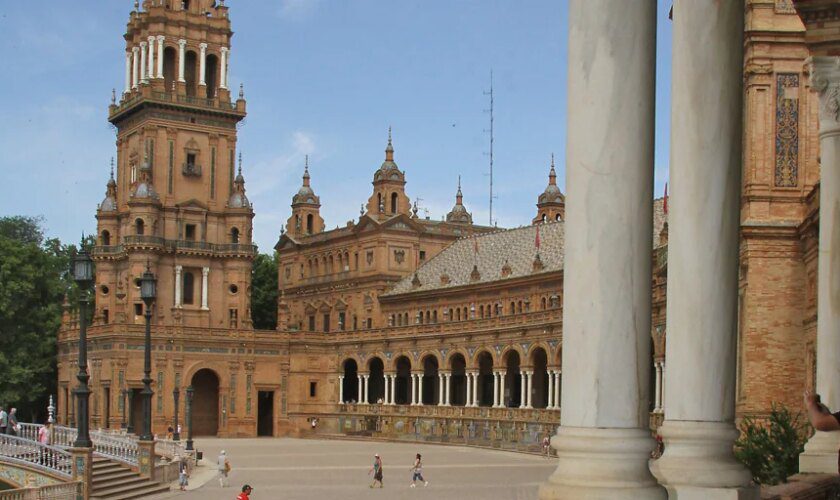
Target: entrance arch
point(458, 382)
point(513, 388)
point(430, 394)
point(402, 395)
point(539, 361)
point(376, 381)
point(350, 381)
point(485, 379)
point(205, 405)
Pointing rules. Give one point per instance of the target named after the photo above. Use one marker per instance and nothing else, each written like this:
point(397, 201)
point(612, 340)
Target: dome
point(237, 197)
point(459, 213)
point(109, 204)
point(305, 194)
point(389, 171)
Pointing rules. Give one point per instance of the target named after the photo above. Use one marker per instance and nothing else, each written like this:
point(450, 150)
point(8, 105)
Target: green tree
point(264, 292)
point(770, 447)
point(35, 278)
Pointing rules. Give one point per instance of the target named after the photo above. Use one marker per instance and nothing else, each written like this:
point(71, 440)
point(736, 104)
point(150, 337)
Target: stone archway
point(205, 405)
point(513, 390)
point(402, 393)
point(350, 389)
point(458, 382)
point(539, 382)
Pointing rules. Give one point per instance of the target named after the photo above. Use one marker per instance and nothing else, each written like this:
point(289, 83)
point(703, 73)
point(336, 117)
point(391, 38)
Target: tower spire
point(389, 149)
point(459, 197)
point(306, 170)
point(552, 175)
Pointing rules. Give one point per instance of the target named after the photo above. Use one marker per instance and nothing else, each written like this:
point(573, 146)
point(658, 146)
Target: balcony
point(146, 95)
point(143, 240)
point(148, 241)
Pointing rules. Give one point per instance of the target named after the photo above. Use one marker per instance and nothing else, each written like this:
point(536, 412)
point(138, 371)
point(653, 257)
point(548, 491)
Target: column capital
point(205, 271)
point(160, 38)
point(224, 50)
point(151, 38)
point(825, 78)
point(182, 42)
point(142, 45)
point(179, 268)
point(202, 46)
point(135, 49)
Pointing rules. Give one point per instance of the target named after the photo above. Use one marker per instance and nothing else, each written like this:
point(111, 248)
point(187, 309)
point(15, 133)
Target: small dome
point(305, 194)
point(109, 204)
point(237, 197)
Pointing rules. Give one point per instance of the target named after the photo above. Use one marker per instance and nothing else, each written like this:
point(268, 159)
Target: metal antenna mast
point(491, 145)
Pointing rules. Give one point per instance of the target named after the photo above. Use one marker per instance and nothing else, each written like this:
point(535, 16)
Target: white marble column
point(475, 389)
point(821, 450)
point(341, 388)
point(366, 394)
point(523, 386)
point(205, 272)
point(603, 444)
point(530, 389)
point(557, 385)
point(182, 54)
point(703, 245)
point(151, 67)
point(202, 64)
point(468, 399)
point(393, 389)
point(127, 72)
point(135, 66)
point(420, 389)
point(413, 378)
point(495, 389)
point(549, 404)
point(142, 62)
point(657, 400)
point(446, 385)
point(223, 68)
point(502, 402)
point(359, 388)
point(441, 393)
point(178, 271)
point(160, 40)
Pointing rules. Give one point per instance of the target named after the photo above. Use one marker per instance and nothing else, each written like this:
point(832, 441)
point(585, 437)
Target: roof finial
point(459, 197)
point(306, 163)
point(552, 175)
point(112, 167)
point(389, 150)
point(241, 91)
point(240, 163)
point(113, 96)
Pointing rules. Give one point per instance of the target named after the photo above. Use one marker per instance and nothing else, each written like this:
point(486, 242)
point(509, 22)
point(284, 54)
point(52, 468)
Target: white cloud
point(297, 9)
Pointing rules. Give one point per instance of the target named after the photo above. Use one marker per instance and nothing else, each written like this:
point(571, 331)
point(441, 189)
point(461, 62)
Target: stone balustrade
point(122, 448)
point(60, 491)
point(51, 459)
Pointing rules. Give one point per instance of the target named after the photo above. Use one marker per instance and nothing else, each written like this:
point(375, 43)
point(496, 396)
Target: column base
point(820, 455)
point(602, 464)
point(699, 463)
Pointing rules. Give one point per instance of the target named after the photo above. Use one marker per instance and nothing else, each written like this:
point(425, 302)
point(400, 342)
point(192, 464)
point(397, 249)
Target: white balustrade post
point(127, 72)
point(182, 45)
point(142, 62)
point(151, 67)
point(223, 69)
point(178, 270)
point(202, 64)
point(204, 287)
point(160, 40)
point(135, 66)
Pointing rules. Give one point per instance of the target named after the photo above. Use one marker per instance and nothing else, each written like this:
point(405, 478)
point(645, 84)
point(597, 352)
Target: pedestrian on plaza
point(45, 434)
point(546, 445)
point(169, 432)
point(224, 469)
point(4, 420)
point(376, 469)
point(821, 417)
point(417, 469)
point(13, 428)
point(246, 492)
point(183, 473)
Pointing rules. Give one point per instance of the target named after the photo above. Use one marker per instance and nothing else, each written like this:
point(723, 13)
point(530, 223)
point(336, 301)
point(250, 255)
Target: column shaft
point(558, 384)
point(550, 402)
point(135, 69)
point(178, 270)
point(204, 287)
point(151, 68)
point(446, 385)
point(142, 62)
point(441, 377)
point(202, 64)
point(658, 397)
point(393, 389)
point(127, 72)
point(223, 69)
point(523, 385)
point(603, 443)
point(703, 245)
point(413, 389)
point(359, 389)
point(160, 40)
point(420, 389)
point(340, 388)
point(502, 401)
point(182, 44)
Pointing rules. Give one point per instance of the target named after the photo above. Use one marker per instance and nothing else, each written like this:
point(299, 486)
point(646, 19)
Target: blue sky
point(324, 78)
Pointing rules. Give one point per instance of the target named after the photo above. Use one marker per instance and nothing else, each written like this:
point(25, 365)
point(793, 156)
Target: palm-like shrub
point(770, 447)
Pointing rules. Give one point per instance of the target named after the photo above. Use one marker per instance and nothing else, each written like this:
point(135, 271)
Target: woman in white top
point(418, 472)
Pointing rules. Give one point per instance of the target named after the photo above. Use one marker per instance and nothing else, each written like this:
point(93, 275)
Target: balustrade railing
point(169, 449)
point(122, 448)
point(60, 491)
point(30, 453)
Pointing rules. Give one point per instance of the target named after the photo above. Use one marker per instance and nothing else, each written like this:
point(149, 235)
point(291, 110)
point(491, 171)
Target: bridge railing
point(120, 448)
point(22, 451)
point(60, 491)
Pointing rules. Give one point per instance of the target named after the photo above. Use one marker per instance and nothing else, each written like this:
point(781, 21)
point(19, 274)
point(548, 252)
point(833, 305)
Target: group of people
point(416, 469)
point(8, 422)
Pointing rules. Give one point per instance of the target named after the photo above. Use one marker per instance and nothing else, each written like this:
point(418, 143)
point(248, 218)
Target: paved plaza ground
point(313, 469)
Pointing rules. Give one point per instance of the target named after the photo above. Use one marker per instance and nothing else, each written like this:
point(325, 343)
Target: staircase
point(112, 480)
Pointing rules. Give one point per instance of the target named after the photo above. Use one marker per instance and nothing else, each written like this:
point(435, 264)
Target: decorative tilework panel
point(787, 130)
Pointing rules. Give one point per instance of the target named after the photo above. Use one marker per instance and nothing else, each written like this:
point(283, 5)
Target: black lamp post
point(124, 393)
point(148, 292)
point(190, 393)
point(176, 395)
point(83, 275)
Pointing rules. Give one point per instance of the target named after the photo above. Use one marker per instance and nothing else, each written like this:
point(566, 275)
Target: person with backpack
point(417, 469)
point(223, 466)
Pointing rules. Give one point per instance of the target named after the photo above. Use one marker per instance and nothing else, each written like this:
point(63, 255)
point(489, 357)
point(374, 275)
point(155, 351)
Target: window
point(481, 311)
point(105, 316)
point(341, 320)
point(370, 323)
point(327, 322)
point(234, 235)
point(434, 316)
point(356, 263)
point(185, 4)
point(311, 322)
point(422, 255)
point(393, 203)
point(557, 217)
point(542, 303)
point(138, 309)
point(139, 227)
point(313, 389)
point(428, 316)
point(189, 285)
point(513, 307)
point(191, 161)
point(355, 323)
point(106, 238)
point(458, 314)
point(309, 224)
point(189, 233)
point(233, 315)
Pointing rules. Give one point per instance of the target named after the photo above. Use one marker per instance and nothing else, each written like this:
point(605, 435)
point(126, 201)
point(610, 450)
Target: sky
point(324, 78)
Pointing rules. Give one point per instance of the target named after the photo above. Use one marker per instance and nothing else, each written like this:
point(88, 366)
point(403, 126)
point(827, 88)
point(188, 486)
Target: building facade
point(397, 325)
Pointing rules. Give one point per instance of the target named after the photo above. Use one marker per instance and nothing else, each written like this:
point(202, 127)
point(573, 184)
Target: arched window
point(210, 78)
point(189, 287)
point(428, 316)
point(191, 72)
point(170, 58)
point(513, 307)
point(519, 307)
point(459, 314)
point(434, 316)
point(542, 302)
point(393, 203)
point(106, 238)
point(185, 4)
point(234, 235)
point(309, 223)
point(139, 227)
point(557, 217)
point(544, 218)
point(378, 201)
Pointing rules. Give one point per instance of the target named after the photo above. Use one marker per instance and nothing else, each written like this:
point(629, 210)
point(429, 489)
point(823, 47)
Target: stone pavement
point(314, 469)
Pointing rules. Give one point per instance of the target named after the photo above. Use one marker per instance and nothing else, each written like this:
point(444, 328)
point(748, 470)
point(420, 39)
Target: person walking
point(376, 469)
point(224, 469)
point(546, 446)
point(4, 420)
point(418, 472)
point(183, 473)
point(45, 434)
point(13, 423)
point(246, 493)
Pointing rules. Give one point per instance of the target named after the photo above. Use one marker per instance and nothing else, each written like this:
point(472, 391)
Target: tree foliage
point(264, 292)
point(35, 278)
point(770, 448)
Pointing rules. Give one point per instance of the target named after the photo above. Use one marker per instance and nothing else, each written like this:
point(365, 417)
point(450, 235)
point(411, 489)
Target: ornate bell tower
point(176, 202)
point(388, 198)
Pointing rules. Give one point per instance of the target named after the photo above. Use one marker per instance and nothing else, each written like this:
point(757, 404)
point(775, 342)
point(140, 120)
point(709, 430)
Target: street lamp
point(176, 435)
point(83, 275)
point(190, 393)
point(148, 292)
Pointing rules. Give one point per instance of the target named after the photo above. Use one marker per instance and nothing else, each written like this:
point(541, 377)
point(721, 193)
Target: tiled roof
point(489, 253)
point(515, 247)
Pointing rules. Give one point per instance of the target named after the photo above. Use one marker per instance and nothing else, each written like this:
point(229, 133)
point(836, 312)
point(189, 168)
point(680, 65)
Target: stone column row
point(554, 380)
point(142, 65)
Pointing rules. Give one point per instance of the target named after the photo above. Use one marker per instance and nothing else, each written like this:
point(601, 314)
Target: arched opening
point(431, 386)
point(485, 379)
point(393, 203)
point(185, 4)
point(434, 316)
point(191, 72)
point(205, 404)
point(557, 218)
point(543, 303)
point(170, 58)
point(139, 227)
point(309, 223)
point(376, 381)
point(402, 394)
point(105, 239)
point(350, 384)
point(544, 218)
point(234, 235)
point(189, 288)
point(210, 76)
point(539, 385)
point(513, 394)
point(458, 380)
